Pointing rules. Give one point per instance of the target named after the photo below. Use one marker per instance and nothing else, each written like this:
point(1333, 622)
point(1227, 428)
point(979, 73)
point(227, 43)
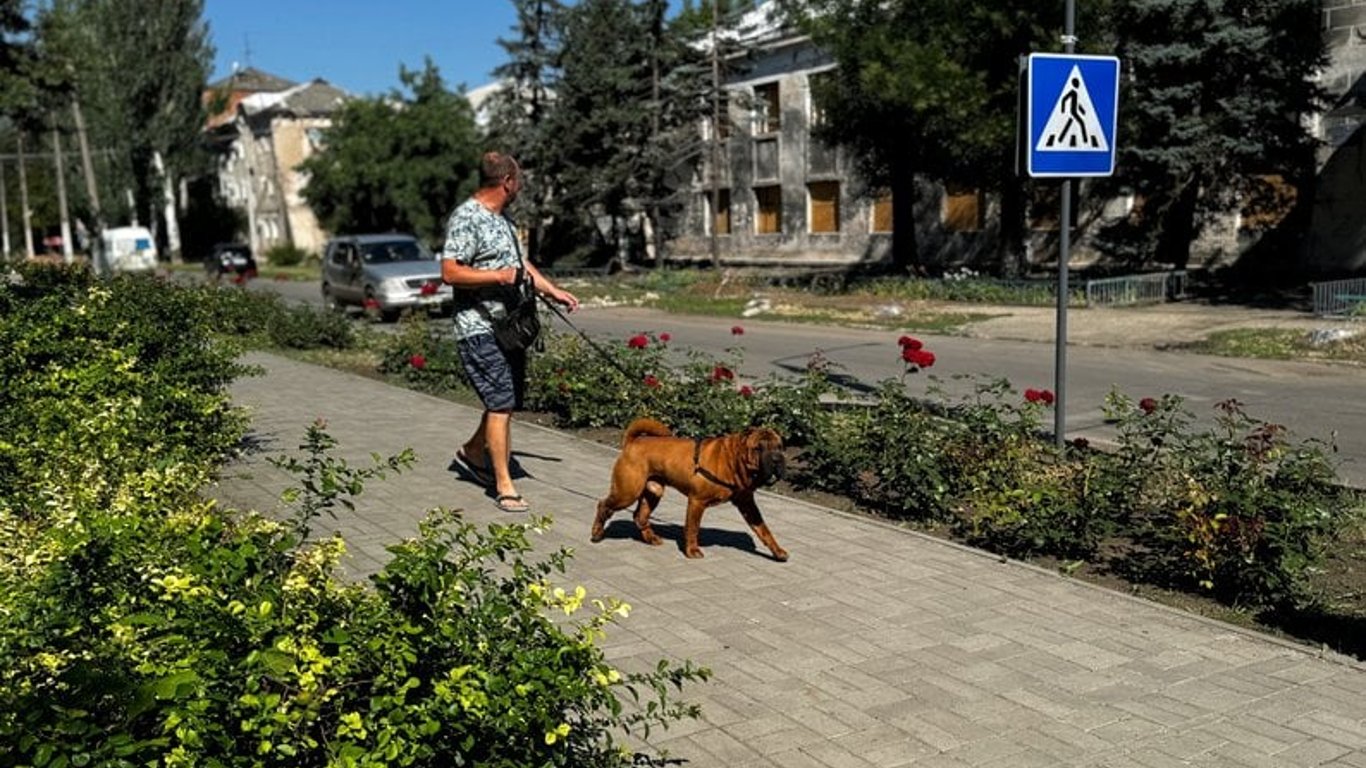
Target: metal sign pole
point(1069, 40)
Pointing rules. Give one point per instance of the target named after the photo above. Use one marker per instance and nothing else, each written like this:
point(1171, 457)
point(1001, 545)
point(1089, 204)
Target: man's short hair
point(496, 166)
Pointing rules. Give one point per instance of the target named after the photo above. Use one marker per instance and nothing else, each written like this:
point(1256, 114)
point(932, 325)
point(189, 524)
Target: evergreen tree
point(1218, 93)
point(397, 163)
point(619, 105)
point(519, 110)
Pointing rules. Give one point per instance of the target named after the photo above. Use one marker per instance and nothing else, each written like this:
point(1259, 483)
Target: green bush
point(204, 640)
point(1239, 510)
point(424, 357)
point(286, 255)
point(300, 326)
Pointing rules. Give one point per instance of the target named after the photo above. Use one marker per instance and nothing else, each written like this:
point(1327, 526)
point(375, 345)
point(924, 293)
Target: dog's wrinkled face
point(766, 458)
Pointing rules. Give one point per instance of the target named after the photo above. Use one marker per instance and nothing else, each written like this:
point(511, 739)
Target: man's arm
point(544, 286)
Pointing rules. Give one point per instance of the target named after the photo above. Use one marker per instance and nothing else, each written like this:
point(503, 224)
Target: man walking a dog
point(482, 259)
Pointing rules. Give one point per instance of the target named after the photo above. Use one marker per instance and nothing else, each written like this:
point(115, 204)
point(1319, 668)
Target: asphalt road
point(1315, 400)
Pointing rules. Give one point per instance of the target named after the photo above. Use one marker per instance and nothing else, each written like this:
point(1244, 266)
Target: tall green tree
point(518, 112)
point(926, 88)
point(1218, 93)
point(396, 163)
point(139, 70)
point(16, 52)
point(627, 103)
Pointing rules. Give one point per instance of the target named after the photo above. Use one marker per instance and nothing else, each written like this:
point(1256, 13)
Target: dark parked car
point(383, 273)
point(233, 260)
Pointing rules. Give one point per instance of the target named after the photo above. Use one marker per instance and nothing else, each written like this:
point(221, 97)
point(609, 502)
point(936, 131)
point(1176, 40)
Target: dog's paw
point(693, 553)
point(780, 555)
point(597, 534)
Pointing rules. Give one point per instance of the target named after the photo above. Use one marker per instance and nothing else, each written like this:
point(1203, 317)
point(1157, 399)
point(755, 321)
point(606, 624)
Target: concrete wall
point(295, 140)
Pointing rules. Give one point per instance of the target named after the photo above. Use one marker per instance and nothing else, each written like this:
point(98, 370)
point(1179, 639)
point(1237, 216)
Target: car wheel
point(330, 300)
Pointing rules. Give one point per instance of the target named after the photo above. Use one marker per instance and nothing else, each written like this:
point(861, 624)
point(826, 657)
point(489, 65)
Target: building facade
point(263, 135)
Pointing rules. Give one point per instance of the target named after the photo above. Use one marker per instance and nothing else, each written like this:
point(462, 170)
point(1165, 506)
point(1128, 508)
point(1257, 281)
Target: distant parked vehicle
point(127, 249)
point(233, 260)
point(383, 273)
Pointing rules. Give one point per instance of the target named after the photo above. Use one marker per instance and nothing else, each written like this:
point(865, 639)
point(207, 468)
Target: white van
point(127, 249)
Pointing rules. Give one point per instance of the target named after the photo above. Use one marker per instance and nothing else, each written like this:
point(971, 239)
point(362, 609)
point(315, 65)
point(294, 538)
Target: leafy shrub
point(424, 357)
point(204, 640)
point(300, 326)
point(1239, 510)
point(1014, 493)
point(286, 255)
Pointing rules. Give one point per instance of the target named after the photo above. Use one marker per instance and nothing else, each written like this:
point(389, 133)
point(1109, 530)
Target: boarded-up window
point(882, 212)
point(769, 201)
point(825, 206)
point(720, 220)
point(766, 159)
point(962, 209)
point(1267, 202)
point(767, 113)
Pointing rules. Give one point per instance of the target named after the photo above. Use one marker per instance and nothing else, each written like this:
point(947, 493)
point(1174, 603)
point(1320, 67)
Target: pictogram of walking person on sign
point(1076, 113)
point(1073, 126)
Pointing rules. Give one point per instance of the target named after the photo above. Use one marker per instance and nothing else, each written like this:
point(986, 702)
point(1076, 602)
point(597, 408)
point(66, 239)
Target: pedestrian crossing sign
point(1072, 112)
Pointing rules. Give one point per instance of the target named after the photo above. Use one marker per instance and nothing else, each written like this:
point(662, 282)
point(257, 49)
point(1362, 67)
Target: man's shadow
point(625, 528)
point(515, 469)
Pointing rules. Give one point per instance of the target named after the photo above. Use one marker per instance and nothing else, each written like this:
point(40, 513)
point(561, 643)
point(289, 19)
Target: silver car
point(386, 274)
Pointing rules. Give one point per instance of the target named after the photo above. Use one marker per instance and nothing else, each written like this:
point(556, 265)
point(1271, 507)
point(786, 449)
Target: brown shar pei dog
point(709, 471)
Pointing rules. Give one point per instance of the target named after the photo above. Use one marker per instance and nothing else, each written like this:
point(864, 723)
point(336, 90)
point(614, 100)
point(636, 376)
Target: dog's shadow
point(625, 528)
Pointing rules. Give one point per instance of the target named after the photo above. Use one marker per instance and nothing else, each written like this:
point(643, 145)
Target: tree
point(623, 132)
point(396, 163)
point(926, 88)
point(1192, 145)
point(519, 110)
point(139, 70)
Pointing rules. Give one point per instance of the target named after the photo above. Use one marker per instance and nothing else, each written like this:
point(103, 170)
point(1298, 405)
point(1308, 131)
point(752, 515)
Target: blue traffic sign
point(1072, 109)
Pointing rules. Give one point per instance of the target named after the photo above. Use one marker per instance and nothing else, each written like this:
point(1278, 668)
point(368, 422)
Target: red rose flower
point(736, 330)
point(917, 358)
point(745, 391)
point(1046, 396)
point(639, 341)
point(665, 337)
point(1032, 395)
point(651, 381)
point(909, 342)
point(427, 289)
point(1147, 405)
point(371, 303)
point(417, 361)
point(721, 373)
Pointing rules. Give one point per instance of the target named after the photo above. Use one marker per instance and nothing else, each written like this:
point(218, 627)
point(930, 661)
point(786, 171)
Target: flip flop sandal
point(482, 474)
point(512, 502)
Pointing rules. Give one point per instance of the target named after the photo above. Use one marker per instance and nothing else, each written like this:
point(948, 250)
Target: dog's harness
point(698, 469)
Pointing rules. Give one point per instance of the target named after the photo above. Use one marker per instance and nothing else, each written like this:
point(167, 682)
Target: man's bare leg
point(498, 436)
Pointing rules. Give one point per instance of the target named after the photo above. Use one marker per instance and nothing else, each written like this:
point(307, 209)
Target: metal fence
point(1136, 289)
point(1339, 297)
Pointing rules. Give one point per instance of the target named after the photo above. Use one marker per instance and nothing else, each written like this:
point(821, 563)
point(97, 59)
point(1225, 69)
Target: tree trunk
point(1010, 250)
point(905, 253)
point(1178, 226)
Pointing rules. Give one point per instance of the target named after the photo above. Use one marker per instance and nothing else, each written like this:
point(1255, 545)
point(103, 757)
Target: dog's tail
point(643, 428)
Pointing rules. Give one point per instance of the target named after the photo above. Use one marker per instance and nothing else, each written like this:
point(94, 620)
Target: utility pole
point(1069, 41)
point(23, 202)
point(715, 137)
point(64, 213)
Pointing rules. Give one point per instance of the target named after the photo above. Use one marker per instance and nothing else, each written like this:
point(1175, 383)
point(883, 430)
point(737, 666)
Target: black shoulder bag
point(520, 325)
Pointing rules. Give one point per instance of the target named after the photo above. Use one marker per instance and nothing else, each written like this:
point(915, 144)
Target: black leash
point(596, 348)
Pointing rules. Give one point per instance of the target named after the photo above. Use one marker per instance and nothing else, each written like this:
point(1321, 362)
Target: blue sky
point(358, 45)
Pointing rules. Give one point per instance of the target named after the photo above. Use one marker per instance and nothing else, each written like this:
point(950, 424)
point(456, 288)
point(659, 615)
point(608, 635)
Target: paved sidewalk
point(872, 646)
